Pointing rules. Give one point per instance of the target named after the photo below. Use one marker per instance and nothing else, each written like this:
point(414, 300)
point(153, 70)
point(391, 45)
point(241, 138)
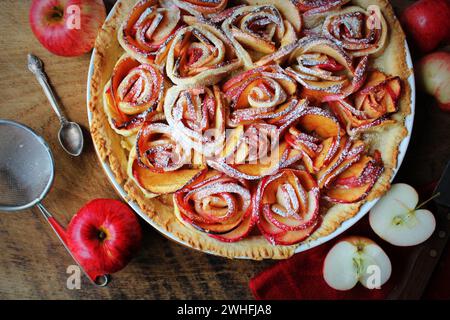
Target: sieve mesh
point(26, 166)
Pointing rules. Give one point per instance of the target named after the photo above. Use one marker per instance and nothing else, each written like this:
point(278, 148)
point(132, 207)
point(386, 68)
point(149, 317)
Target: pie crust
point(114, 148)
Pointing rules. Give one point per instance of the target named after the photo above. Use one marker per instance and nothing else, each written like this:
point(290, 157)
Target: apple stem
point(101, 235)
point(426, 201)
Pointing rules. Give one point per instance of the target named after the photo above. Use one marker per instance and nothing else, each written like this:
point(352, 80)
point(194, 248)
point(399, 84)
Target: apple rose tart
point(197, 116)
point(200, 55)
point(148, 29)
point(258, 32)
point(244, 128)
point(220, 206)
point(371, 105)
point(160, 163)
point(288, 206)
point(359, 31)
point(134, 95)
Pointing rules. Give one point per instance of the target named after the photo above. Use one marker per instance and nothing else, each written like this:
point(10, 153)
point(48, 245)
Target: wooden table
point(33, 262)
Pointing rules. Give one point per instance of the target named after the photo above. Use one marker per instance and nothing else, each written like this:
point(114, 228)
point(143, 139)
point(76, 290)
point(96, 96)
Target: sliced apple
point(321, 122)
point(292, 237)
point(356, 259)
point(343, 194)
point(325, 46)
point(264, 166)
point(162, 182)
point(329, 147)
point(292, 224)
point(240, 231)
point(354, 176)
point(396, 218)
point(286, 8)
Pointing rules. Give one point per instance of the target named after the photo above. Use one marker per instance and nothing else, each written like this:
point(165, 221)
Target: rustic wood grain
point(33, 262)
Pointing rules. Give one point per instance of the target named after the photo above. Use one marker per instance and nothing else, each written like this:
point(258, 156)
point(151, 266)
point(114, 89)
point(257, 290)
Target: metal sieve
point(26, 175)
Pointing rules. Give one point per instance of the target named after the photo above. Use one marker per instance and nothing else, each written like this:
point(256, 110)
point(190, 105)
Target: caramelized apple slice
point(202, 7)
point(394, 88)
point(329, 148)
point(288, 10)
point(162, 183)
point(321, 122)
point(292, 224)
point(292, 237)
point(267, 228)
point(241, 231)
point(350, 195)
point(353, 176)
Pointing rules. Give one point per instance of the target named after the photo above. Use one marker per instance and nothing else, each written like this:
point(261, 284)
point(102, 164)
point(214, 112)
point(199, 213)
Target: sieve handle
point(100, 280)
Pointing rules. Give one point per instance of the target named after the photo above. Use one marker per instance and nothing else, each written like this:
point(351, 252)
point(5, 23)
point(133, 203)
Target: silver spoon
point(70, 135)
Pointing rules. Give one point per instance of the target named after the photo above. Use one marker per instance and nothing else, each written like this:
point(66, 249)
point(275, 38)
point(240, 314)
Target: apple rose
point(325, 70)
point(159, 163)
point(259, 94)
point(200, 55)
point(148, 30)
point(218, 205)
point(315, 11)
point(134, 94)
point(360, 32)
point(254, 151)
point(203, 7)
point(288, 206)
point(258, 32)
point(347, 174)
point(197, 116)
point(317, 136)
point(371, 105)
point(356, 181)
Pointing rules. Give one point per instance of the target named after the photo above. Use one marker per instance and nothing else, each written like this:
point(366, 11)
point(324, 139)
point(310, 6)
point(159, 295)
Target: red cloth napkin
point(300, 277)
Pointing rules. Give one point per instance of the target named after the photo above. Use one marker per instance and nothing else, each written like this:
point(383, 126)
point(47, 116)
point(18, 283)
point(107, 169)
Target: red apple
point(67, 27)
point(427, 22)
point(104, 235)
point(434, 77)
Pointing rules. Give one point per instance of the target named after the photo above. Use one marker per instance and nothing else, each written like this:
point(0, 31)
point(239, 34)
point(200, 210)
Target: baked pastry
point(134, 95)
point(149, 28)
point(246, 128)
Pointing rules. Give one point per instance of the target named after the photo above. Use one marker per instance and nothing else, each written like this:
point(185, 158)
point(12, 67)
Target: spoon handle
point(35, 66)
